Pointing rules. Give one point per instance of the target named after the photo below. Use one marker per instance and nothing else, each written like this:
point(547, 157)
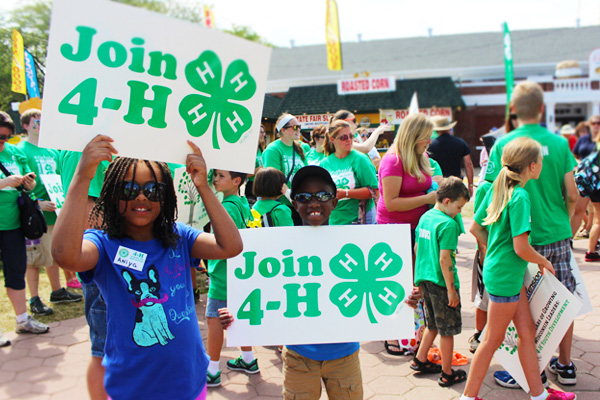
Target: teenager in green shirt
point(352, 172)
point(506, 212)
point(317, 138)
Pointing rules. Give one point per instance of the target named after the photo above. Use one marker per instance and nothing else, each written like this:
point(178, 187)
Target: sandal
point(456, 376)
point(388, 347)
point(426, 367)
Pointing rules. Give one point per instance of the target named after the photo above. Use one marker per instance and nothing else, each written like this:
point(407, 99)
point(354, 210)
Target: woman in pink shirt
point(404, 179)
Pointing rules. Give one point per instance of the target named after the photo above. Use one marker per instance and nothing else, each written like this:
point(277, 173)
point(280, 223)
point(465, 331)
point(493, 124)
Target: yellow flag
point(209, 19)
point(18, 65)
point(332, 33)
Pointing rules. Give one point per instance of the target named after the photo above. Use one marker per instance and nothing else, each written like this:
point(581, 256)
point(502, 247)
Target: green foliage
point(248, 34)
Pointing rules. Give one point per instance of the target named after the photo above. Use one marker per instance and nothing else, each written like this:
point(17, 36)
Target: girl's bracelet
point(347, 193)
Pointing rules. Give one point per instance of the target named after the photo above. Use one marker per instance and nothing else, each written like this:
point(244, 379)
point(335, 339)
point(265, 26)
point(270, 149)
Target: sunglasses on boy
point(294, 127)
point(5, 137)
point(307, 197)
point(152, 190)
point(343, 138)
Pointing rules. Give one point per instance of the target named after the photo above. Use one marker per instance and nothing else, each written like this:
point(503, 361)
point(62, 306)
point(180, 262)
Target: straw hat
point(567, 129)
point(442, 123)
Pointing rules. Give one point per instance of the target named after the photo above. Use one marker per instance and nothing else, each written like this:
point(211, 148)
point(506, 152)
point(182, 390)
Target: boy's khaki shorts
point(302, 377)
point(39, 252)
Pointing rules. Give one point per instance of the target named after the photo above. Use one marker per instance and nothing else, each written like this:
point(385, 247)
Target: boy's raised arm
point(68, 248)
point(226, 241)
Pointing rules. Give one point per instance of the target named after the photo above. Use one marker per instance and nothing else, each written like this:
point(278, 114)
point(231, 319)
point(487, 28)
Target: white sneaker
point(3, 340)
point(31, 325)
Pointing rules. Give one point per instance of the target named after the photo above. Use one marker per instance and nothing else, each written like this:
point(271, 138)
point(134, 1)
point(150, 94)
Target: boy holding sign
point(42, 162)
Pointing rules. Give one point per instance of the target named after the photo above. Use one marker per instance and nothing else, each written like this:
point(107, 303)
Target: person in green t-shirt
point(317, 138)
point(12, 241)
point(228, 183)
point(39, 254)
point(268, 211)
point(555, 197)
point(258, 164)
point(506, 212)
point(353, 174)
point(435, 273)
point(287, 154)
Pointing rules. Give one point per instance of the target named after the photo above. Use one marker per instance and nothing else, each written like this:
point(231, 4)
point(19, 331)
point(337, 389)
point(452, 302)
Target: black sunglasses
point(5, 137)
point(319, 137)
point(307, 197)
point(152, 190)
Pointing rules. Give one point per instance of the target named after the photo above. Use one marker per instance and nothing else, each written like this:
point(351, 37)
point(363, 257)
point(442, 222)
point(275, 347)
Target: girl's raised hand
point(546, 265)
point(99, 149)
point(196, 166)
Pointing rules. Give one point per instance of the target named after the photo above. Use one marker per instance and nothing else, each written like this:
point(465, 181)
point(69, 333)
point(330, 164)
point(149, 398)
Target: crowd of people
point(128, 250)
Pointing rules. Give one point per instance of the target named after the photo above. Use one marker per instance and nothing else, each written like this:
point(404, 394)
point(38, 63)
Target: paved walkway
point(53, 366)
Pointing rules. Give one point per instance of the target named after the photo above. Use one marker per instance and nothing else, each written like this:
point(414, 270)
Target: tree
point(248, 34)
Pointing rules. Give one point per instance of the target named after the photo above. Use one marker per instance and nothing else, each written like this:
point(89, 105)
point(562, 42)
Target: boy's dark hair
point(452, 188)
point(6, 122)
point(106, 214)
point(27, 115)
point(268, 182)
point(233, 174)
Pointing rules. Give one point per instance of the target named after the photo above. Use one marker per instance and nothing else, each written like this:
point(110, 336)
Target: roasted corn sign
point(332, 32)
point(151, 82)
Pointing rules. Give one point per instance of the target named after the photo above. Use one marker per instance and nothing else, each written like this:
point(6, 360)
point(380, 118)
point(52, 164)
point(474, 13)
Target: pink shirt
point(392, 166)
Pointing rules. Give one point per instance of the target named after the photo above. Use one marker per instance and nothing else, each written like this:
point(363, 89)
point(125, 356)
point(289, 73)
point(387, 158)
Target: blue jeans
point(95, 314)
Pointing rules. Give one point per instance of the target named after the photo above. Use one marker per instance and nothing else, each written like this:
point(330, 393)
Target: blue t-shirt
point(584, 147)
point(325, 352)
point(153, 349)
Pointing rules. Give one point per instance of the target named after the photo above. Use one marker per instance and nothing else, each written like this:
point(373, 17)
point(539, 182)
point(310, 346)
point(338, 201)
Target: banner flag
point(508, 66)
point(332, 35)
point(31, 78)
point(414, 104)
point(209, 18)
point(18, 64)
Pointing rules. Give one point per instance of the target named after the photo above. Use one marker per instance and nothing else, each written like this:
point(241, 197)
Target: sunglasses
point(595, 123)
point(343, 138)
point(307, 197)
point(319, 137)
point(152, 190)
point(364, 135)
point(294, 127)
point(5, 137)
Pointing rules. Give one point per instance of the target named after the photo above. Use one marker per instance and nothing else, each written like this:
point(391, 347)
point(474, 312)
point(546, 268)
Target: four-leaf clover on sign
point(366, 281)
point(216, 106)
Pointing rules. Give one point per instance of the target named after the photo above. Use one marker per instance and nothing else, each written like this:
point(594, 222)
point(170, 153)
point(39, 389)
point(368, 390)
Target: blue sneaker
point(504, 379)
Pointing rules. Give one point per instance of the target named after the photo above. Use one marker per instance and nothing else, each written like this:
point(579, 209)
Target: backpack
point(262, 221)
point(587, 175)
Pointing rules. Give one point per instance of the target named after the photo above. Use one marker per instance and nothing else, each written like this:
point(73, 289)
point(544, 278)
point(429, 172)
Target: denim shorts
point(505, 299)
point(212, 307)
point(95, 314)
point(14, 258)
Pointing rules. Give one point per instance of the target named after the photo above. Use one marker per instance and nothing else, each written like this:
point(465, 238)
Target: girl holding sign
point(138, 257)
point(502, 223)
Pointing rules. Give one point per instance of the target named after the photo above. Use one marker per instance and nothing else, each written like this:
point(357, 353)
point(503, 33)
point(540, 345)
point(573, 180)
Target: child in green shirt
point(269, 187)
point(435, 273)
point(237, 207)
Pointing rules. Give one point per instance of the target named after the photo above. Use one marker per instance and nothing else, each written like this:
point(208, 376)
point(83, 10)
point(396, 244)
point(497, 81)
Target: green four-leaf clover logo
point(366, 281)
point(216, 107)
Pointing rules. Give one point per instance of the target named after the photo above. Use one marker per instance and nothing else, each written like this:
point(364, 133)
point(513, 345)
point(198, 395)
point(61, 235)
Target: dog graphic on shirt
point(151, 326)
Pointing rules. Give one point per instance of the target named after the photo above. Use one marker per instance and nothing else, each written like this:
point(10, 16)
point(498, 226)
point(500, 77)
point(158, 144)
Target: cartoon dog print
point(151, 325)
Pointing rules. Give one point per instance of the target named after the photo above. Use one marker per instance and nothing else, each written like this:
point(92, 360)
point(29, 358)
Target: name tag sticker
point(130, 258)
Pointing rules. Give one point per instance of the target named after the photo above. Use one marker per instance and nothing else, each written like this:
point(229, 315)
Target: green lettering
point(254, 314)
point(137, 56)
point(249, 257)
point(314, 261)
point(137, 102)
point(294, 299)
point(105, 54)
point(288, 264)
point(263, 267)
point(156, 61)
point(84, 45)
point(86, 109)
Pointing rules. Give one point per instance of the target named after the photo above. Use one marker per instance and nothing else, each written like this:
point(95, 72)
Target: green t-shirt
point(435, 166)
point(482, 189)
point(281, 156)
point(15, 162)
point(43, 162)
point(239, 211)
point(354, 171)
point(435, 232)
point(504, 270)
point(67, 164)
point(258, 163)
point(282, 215)
point(549, 219)
point(314, 157)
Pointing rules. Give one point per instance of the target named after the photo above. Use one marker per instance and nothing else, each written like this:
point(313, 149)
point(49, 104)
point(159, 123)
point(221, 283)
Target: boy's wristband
point(346, 192)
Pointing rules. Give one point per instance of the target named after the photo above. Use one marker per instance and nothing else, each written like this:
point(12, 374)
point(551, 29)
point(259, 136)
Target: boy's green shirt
point(436, 231)
point(282, 214)
point(239, 211)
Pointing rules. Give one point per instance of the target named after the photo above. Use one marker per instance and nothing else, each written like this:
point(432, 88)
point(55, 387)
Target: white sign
point(53, 185)
point(366, 85)
point(323, 284)
point(581, 292)
point(313, 120)
point(553, 309)
point(190, 208)
point(151, 82)
point(395, 117)
point(594, 63)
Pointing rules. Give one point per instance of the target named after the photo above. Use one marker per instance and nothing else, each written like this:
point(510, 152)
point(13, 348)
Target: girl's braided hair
point(107, 216)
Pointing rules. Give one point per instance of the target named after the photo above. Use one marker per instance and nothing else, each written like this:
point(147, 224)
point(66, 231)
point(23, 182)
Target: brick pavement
point(52, 366)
